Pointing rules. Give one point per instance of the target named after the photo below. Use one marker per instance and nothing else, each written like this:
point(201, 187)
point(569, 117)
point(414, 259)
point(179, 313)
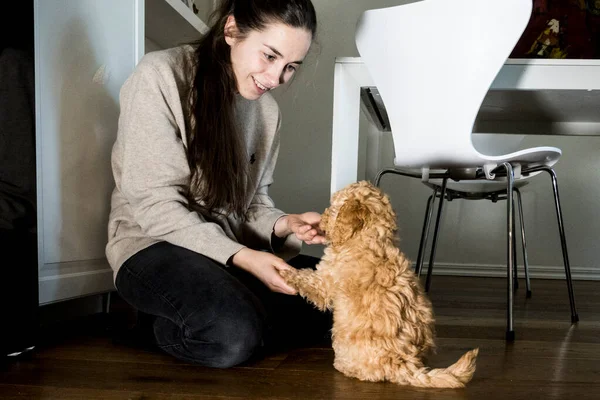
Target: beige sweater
point(152, 175)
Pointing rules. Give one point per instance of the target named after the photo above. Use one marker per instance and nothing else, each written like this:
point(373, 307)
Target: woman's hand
point(264, 266)
point(305, 226)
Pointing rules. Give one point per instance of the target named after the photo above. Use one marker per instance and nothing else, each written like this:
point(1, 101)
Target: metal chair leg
point(563, 242)
point(425, 232)
point(435, 235)
point(380, 174)
point(524, 243)
point(514, 239)
point(510, 331)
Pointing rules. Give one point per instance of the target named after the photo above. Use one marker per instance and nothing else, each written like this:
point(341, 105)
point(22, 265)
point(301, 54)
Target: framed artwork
point(567, 29)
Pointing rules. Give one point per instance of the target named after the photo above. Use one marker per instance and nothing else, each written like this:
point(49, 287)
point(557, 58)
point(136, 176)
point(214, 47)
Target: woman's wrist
point(240, 259)
point(281, 229)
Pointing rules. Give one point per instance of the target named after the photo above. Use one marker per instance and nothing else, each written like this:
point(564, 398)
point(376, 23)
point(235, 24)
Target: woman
point(191, 216)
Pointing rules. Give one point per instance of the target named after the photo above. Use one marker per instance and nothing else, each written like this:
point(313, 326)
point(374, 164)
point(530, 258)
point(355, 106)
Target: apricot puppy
point(383, 322)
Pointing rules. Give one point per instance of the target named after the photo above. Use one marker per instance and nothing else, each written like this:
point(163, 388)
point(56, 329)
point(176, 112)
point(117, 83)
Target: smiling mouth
point(261, 86)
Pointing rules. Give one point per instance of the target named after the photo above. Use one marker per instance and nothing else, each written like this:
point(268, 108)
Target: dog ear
point(351, 218)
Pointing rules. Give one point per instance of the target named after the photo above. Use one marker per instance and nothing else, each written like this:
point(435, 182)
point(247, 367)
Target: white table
point(572, 86)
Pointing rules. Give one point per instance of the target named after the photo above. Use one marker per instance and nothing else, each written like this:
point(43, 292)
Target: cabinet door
point(85, 49)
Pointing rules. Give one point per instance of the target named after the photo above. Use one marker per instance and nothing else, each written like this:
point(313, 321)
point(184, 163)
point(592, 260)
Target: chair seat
point(480, 186)
point(526, 158)
point(532, 157)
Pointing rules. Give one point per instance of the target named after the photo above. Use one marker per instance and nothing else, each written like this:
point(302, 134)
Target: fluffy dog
point(383, 322)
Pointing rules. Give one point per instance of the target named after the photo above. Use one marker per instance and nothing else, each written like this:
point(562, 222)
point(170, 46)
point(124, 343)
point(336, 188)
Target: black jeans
point(212, 315)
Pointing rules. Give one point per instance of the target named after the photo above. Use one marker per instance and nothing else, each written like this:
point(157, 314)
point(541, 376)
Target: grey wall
point(472, 240)
point(302, 177)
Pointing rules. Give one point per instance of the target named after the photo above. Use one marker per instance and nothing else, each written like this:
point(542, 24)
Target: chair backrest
point(433, 62)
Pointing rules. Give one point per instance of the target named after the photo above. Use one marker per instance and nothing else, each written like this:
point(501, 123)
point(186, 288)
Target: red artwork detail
point(561, 29)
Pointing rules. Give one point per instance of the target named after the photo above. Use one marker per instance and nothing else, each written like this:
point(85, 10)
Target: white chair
point(433, 62)
point(493, 190)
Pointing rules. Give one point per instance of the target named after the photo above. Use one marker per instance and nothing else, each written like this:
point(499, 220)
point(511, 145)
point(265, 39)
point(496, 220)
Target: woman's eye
point(269, 57)
point(291, 68)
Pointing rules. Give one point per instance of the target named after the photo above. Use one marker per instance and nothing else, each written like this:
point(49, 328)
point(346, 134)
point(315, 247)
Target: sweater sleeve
point(154, 170)
point(262, 214)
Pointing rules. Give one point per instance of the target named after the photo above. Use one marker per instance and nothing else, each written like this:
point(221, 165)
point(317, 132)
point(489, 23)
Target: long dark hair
point(216, 151)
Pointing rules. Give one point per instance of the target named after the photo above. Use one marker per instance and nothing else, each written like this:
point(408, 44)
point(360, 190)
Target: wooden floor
point(550, 359)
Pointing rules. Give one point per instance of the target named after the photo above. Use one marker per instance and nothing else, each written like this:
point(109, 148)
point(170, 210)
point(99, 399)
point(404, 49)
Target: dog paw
point(287, 274)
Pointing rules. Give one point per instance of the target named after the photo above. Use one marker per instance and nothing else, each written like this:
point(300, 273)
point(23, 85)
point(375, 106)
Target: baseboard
point(535, 271)
point(54, 313)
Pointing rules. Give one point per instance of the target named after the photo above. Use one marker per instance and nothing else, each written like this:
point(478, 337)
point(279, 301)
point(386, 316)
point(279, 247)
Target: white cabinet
point(84, 51)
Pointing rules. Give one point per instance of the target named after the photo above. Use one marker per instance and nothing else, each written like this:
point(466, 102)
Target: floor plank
point(551, 359)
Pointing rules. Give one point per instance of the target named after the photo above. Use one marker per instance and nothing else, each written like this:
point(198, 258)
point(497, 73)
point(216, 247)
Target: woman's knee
point(228, 340)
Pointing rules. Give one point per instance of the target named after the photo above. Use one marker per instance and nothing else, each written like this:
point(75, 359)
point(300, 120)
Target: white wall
point(472, 239)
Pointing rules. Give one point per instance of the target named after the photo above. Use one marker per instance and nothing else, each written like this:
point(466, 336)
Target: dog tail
point(455, 376)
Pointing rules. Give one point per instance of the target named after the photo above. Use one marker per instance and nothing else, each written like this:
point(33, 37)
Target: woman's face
point(266, 59)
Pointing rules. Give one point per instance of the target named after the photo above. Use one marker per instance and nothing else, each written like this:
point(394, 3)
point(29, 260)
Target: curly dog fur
point(383, 322)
